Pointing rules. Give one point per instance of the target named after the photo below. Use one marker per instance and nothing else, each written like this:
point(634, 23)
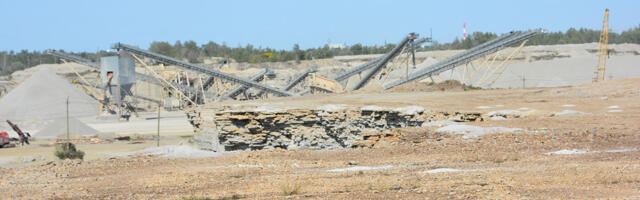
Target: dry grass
point(291, 189)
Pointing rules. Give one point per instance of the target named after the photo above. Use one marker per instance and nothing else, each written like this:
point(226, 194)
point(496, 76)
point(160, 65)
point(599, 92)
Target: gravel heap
point(43, 97)
point(59, 127)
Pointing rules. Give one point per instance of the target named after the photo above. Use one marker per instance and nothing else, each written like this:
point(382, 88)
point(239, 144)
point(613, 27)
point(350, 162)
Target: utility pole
point(158, 140)
point(431, 34)
point(68, 138)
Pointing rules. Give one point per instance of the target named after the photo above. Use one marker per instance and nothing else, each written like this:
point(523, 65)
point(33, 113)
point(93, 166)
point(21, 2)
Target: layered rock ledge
point(327, 127)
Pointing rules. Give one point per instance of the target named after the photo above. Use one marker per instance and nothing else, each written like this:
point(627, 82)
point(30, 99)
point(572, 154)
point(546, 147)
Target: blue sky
point(82, 25)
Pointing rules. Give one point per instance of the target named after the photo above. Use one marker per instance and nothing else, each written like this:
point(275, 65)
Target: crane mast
point(602, 48)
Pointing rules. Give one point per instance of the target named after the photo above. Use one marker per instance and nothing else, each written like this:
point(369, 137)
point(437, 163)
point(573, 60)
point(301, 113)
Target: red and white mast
point(464, 31)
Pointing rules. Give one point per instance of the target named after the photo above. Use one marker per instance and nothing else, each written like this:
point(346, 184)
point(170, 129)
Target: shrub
point(290, 189)
point(68, 150)
point(470, 87)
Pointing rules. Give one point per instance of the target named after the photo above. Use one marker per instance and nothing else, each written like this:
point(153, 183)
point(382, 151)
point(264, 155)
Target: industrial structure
point(200, 69)
point(118, 75)
point(467, 56)
point(603, 52)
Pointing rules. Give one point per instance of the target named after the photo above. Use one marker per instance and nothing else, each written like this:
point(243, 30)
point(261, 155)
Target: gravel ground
point(423, 163)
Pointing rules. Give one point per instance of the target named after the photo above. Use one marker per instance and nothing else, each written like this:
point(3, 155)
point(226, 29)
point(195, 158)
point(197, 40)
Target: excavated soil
point(592, 153)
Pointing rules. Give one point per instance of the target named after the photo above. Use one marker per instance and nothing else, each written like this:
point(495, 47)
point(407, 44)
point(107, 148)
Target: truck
point(5, 141)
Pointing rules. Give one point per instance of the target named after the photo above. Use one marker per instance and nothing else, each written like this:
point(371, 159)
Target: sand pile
point(22, 75)
point(372, 86)
point(427, 62)
point(448, 85)
point(43, 97)
point(59, 127)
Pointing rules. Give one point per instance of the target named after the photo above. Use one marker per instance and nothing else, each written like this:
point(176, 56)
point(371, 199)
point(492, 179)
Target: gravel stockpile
point(59, 127)
point(43, 97)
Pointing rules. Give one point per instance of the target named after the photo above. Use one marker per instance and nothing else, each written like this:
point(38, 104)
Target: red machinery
point(24, 136)
point(4, 139)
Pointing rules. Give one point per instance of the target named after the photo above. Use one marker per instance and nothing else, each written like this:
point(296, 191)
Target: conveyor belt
point(236, 91)
point(467, 56)
point(211, 72)
point(385, 59)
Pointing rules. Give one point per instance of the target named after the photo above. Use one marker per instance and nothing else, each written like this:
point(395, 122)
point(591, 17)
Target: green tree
point(356, 49)
point(296, 51)
point(163, 48)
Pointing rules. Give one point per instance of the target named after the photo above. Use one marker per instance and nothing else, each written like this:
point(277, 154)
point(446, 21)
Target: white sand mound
point(502, 112)
point(448, 170)
point(483, 107)
point(439, 123)
point(581, 151)
point(474, 131)
point(245, 166)
point(444, 170)
point(333, 107)
point(498, 118)
point(427, 62)
point(568, 112)
point(42, 96)
point(268, 109)
point(175, 151)
point(59, 127)
point(373, 108)
point(360, 168)
point(410, 110)
point(568, 152)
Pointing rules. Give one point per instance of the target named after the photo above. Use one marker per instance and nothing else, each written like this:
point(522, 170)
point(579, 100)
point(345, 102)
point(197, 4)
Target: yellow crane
point(602, 48)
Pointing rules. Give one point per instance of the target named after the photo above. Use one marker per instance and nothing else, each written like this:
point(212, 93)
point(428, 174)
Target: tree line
point(571, 36)
point(192, 52)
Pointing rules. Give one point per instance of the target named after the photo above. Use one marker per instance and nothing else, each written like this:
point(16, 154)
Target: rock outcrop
point(229, 130)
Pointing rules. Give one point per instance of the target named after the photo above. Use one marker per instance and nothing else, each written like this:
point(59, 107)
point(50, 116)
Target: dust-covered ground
point(579, 142)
